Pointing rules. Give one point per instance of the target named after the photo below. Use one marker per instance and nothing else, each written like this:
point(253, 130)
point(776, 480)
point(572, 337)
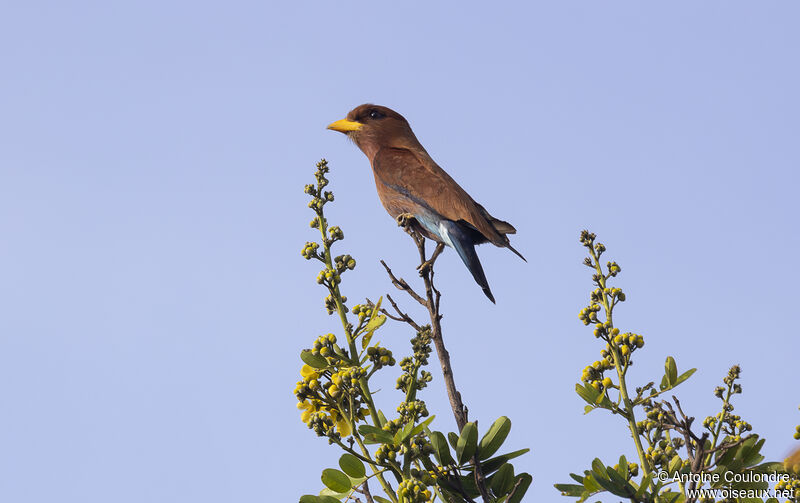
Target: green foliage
point(675, 462)
point(336, 403)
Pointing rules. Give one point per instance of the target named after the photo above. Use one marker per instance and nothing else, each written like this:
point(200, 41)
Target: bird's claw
point(424, 267)
point(405, 220)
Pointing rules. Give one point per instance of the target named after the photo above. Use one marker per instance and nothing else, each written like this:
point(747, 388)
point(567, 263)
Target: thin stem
point(718, 429)
point(378, 473)
point(340, 309)
point(623, 387)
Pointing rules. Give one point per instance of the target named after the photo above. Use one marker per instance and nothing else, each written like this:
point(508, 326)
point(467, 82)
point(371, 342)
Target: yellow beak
point(345, 126)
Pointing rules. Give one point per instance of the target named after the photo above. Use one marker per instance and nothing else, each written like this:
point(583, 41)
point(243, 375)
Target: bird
point(418, 192)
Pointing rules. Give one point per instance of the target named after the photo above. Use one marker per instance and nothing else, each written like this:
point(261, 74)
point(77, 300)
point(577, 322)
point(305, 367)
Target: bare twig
point(695, 445)
point(365, 491)
point(401, 316)
point(431, 302)
point(402, 285)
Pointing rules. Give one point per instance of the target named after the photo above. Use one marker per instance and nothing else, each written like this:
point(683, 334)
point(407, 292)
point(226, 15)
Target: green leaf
point(590, 483)
point(684, 376)
point(724, 457)
point(644, 485)
point(522, 482)
point(440, 449)
point(381, 418)
point(601, 476)
point(421, 426)
point(402, 433)
point(374, 324)
point(750, 451)
point(773, 467)
point(494, 438)
point(599, 468)
point(674, 464)
point(469, 484)
point(375, 321)
point(577, 478)
point(452, 438)
point(502, 481)
point(493, 464)
point(335, 480)
point(381, 499)
point(378, 438)
point(310, 498)
point(623, 467)
point(621, 486)
point(671, 371)
point(588, 409)
point(670, 496)
point(375, 435)
point(600, 398)
point(352, 466)
point(326, 495)
point(588, 393)
point(467, 443)
point(315, 361)
point(573, 490)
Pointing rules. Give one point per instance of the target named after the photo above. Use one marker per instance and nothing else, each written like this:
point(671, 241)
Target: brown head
point(372, 127)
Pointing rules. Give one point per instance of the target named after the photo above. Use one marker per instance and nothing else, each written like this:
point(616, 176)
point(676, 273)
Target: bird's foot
point(405, 220)
point(426, 266)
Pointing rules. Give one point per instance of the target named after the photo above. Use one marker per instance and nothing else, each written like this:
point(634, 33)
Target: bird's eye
point(374, 114)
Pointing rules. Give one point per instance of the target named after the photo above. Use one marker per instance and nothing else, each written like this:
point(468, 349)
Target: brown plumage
point(410, 182)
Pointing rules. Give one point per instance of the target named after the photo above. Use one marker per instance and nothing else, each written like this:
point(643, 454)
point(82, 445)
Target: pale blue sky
point(152, 159)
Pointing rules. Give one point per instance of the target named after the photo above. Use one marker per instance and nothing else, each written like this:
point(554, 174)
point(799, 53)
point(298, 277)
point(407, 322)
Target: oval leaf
point(352, 466)
point(440, 449)
point(522, 482)
point(496, 462)
point(684, 376)
point(671, 371)
point(503, 480)
point(452, 439)
point(467, 443)
point(573, 490)
point(335, 480)
point(495, 437)
point(315, 361)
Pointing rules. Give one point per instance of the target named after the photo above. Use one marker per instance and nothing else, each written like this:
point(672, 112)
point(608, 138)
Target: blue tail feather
point(452, 234)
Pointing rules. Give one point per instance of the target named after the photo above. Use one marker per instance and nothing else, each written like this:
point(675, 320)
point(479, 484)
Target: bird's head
point(372, 127)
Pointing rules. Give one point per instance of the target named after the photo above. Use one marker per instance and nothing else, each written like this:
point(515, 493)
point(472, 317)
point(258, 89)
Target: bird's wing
point(417, 177)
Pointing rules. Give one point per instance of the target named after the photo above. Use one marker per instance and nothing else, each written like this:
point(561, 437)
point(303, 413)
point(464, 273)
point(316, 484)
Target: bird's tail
point(466, 250)
point(508, 245)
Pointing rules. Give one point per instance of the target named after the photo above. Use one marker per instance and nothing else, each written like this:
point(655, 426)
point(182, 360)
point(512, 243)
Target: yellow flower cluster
point(345, 379)
point(320, 417)
point(413, 491)
point(318, 404)
point(323, 345)
point(626, 343)
point(310, 251)
point(792, 485)
point(593, 374)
